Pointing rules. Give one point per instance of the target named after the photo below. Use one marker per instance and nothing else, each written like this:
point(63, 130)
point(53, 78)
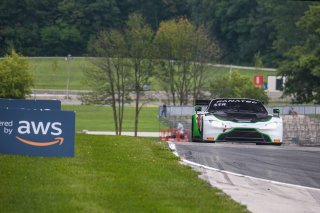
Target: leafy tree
point(89, 17)
point(154, 11)
point(61, 40)
point(110, 79)
point(124, 65)
point(285, 15)
point(236, 86)
point(231, 24)
point(165, 38)
point(21, 23)
point(139, 38)
point(302, 66)
point(183, 50)
point(204, 50)
point(15, 77)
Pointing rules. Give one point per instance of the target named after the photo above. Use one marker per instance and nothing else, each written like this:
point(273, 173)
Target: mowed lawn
point(108, 174)
point(52, 73)
point(100, 118)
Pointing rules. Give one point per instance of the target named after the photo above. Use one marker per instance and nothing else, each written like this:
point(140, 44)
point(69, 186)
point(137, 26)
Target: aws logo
point(40, 128)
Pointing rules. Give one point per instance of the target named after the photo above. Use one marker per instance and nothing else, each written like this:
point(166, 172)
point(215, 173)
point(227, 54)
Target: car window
point(236, 105)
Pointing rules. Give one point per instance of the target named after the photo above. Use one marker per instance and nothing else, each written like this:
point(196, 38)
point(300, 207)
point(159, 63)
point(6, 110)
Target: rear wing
point(202, 102)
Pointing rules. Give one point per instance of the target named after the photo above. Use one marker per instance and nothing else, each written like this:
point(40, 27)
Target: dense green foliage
point(243, 27)
point(15, 77)
point(249, 32)
point(108, 174)
point(236, 86)
point(246, 27)
point(302, 65)
point(58, 27)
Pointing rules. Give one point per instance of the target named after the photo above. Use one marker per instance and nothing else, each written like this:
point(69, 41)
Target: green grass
point(100, 118)
point(51, 73)
point(107, 174)
point(214, 72)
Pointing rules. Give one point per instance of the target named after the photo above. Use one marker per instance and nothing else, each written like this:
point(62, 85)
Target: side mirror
point(276, 112)
point(197, 108)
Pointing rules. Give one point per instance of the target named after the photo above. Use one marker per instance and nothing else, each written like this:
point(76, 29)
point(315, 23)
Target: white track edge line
point(173, 148)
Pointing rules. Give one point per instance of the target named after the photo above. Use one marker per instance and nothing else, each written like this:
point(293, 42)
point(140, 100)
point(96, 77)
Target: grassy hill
point(52, 73)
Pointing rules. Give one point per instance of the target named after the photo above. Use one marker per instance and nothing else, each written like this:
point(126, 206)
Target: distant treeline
point(248, 31)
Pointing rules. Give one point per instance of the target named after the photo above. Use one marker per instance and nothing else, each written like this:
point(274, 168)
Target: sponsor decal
point(237, 101)
point(36, 132)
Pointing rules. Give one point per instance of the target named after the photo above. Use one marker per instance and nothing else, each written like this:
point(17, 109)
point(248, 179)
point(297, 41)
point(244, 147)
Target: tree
point(139, 38)
point(154, 11)
point(110, 79)
point(183, 50)
point(204, 50)
point(15, 77)
point(21, 23)
point(61, 40)
point(165, 38)
point(302, 65)
point(236, 86)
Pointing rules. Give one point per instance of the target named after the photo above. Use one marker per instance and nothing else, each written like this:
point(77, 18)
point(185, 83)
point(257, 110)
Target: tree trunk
point(113, 104)
point(136, 121)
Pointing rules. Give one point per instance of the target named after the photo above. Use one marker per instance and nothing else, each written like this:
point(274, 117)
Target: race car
point(235, 120)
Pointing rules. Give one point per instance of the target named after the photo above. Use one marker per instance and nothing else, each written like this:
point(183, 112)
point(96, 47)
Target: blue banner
point(30, 104)
point(37, 133)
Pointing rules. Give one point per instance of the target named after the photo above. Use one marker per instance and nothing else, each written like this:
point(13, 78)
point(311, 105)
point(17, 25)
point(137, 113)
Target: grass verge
point(108, 174)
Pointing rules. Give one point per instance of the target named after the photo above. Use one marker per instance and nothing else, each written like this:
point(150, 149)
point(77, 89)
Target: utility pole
point(68, 59)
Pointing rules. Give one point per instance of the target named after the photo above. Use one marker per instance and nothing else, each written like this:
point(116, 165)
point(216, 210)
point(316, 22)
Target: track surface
point(293, 165)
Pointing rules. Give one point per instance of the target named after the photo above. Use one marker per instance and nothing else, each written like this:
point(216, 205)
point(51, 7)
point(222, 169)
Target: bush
point(236, 86)
point(15, 77)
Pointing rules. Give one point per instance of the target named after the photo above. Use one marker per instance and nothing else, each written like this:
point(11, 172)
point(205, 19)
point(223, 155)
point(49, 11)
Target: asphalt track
point(286, 164)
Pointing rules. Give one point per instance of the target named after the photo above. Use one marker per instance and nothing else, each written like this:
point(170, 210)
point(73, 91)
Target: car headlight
point(216, 124)
point(272, 125)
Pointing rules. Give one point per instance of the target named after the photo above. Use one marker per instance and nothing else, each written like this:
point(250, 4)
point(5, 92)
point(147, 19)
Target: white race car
point(236, 120)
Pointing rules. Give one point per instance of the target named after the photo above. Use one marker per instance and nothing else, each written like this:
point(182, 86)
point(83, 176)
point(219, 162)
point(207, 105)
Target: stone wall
point(302, 130)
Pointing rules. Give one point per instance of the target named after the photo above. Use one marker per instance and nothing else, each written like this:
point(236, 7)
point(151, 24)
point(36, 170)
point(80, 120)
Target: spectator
point(180, 128)
point(292, 111)
point(164, 111)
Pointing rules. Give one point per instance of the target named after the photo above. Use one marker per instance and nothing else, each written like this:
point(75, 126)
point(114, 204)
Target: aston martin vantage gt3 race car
point(236, 120)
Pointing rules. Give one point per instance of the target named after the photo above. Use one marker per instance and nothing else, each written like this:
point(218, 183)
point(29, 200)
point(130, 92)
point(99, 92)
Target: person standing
point(164, 110)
